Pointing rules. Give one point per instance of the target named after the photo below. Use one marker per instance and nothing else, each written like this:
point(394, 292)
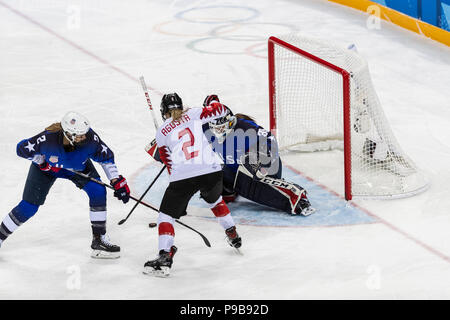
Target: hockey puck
point(152, 225)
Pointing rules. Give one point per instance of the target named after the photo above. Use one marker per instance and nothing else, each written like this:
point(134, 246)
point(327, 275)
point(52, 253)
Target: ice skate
point(233, 239)
point(103, 249)
point(160, 267)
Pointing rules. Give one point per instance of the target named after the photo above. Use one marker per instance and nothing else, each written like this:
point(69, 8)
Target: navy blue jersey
point(247, 136)
point(49, 146)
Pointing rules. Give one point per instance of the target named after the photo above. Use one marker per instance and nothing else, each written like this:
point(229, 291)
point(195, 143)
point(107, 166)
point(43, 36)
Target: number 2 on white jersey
point(190, 143)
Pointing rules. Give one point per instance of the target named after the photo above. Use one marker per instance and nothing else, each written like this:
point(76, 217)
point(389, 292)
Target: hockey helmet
point(222, 127)
point(169, 102)
point(74, 125)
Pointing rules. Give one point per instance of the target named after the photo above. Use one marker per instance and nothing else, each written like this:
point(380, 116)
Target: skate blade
point(238, 251)
point(163, 273)
point(100, 254)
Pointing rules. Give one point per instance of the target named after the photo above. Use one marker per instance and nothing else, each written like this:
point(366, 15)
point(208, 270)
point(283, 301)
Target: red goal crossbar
point(346, 100)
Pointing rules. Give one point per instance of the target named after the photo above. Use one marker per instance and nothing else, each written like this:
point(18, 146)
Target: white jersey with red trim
point(183, 146)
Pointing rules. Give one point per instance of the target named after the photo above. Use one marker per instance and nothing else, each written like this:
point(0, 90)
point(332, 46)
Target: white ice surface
point(49, 64)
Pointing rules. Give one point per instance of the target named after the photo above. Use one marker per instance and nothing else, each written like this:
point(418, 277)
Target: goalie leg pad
point(272, 192)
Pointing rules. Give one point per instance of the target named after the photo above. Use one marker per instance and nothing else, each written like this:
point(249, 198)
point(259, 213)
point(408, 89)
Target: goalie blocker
point(254, 185)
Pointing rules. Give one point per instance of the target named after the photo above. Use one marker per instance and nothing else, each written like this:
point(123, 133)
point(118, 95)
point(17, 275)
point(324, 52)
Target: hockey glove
point(46, 167)
point(122, 191)
point(152, 150)
point(209, 99)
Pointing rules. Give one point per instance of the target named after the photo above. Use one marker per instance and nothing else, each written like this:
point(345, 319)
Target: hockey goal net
point(321, 97)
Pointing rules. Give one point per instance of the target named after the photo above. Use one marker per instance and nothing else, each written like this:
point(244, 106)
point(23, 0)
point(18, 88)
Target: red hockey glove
point(122, 191)
point(152, 150)
point(46, 167)
point(209, 99)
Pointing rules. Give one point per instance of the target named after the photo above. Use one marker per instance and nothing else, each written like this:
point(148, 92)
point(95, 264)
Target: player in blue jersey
point(252, 166)
point(62, 147)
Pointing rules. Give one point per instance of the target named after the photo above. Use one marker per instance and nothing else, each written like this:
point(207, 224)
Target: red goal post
point(345, 107)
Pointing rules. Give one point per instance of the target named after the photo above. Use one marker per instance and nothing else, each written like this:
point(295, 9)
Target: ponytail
point(176, 114)
point(55, 127)
point(244, 117)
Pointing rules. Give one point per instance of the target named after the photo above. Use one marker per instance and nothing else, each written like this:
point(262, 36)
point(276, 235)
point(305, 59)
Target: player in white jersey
point(193, 166)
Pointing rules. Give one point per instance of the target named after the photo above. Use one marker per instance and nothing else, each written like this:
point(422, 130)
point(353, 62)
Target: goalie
point(252, 166)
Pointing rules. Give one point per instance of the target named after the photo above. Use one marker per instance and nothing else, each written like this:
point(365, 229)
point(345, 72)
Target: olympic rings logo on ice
point(253, 42)
point(182, 14)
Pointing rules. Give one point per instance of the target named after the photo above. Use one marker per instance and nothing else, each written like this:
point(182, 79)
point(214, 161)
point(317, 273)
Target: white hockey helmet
point(73, 125)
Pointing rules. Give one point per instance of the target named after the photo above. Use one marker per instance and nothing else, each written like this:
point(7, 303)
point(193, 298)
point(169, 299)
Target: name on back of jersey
point(173, 124)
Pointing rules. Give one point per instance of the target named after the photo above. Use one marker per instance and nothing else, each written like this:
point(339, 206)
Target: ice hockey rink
point(87, 56)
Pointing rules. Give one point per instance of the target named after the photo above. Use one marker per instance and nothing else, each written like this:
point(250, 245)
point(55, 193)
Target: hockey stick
point(144, 87)
point(208, 244)
point(142, 197)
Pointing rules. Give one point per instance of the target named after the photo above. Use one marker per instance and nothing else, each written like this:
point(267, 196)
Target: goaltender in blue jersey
point(252, 165)
point(57, 152)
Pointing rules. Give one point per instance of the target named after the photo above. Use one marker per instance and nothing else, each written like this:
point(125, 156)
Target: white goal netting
point(309, 113)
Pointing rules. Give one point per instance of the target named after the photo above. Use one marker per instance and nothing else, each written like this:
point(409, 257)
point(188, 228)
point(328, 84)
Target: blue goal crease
point(332, 210)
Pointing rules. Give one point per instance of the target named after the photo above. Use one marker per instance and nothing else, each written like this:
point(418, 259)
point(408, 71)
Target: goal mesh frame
point(344, 87)
point(345, 107)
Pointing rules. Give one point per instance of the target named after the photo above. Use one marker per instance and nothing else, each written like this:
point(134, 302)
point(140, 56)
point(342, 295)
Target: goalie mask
point(169, 102)
point(221, 127)
point(75, 126)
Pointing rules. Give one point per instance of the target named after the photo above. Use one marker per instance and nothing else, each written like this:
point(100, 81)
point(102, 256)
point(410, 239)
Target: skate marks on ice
point(332, 210)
